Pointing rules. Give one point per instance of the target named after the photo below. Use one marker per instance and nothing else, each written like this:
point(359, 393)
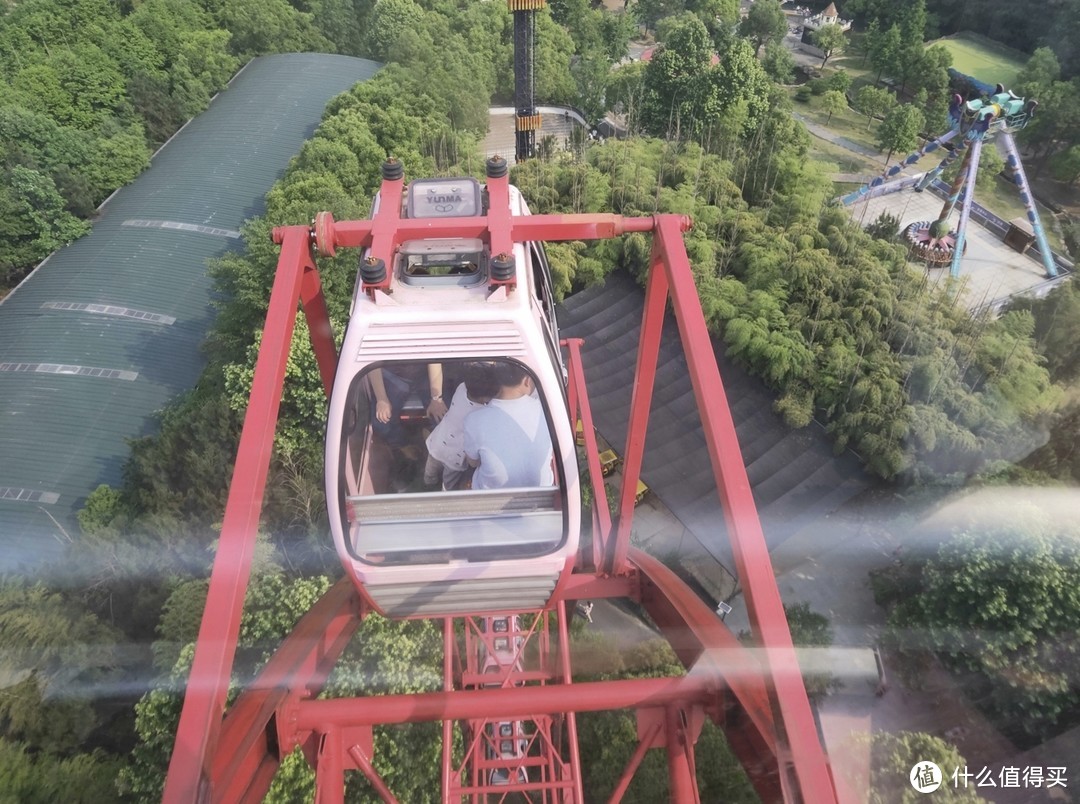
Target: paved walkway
point(829, 136)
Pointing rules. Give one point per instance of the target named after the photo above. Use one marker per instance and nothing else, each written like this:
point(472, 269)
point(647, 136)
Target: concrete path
point(829, 136)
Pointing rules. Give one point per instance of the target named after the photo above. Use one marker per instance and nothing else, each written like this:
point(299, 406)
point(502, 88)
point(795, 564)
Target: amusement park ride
point(973, 123)
point(453, 272)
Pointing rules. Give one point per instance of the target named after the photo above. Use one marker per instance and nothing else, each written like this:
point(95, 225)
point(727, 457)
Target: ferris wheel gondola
point(443, 310)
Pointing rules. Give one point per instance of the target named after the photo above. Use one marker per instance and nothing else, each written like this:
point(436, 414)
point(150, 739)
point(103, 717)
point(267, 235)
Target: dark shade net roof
point(107, 330)
point(795, 477)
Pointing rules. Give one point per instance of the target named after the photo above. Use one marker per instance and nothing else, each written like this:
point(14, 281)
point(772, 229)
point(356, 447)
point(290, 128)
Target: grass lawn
point(842, 188)
point(1005, 202)
point(840, 160)
point(983, 58)
point(848, 123)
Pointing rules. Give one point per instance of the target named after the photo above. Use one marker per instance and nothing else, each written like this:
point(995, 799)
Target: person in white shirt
point(508, 441)
point(446, 462)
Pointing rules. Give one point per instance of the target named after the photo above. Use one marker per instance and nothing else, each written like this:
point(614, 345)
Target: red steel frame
point(756, 695)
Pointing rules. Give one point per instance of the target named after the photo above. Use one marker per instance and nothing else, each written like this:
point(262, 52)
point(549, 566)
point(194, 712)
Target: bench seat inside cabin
point(517, 518)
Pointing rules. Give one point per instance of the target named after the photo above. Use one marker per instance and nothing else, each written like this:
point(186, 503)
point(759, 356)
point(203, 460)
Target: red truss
point(757, 696)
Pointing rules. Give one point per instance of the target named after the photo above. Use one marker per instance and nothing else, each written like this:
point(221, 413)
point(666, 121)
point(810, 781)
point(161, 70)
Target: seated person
point(508, 440)
point(446, 463)
point(392, 387)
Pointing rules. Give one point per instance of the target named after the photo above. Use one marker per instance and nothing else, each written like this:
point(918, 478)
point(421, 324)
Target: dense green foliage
point(608, 739)
point(764, 22)
point(273, 604)
point(1057, 325)
point(90, 90)
point(833, 319)
point(52, 652)
point(1002, 600)
point(892, 756)
point(30, 778)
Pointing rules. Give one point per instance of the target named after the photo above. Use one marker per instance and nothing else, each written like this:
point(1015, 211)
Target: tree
point(274, 603)
point(828, 38)
point(1060, 456)
point(873, 101)
point(50, 651)
point(928, 70)
point(649, 12)
point(991, 163)
point(885, 226)
point(892, 756)
point(899, 131)
point(886, 51)
point(625, 91)
point(591, 73)
point(778, 63)
point(840, 81)
point(34, 221)
point(677, 91)
point(721, 17)
point(31, 777)
point(389, 20)
point(764, 22)
point(1040, 71)
point(833, 102)
point(269, 26)
point(912, 21)
point(1002, 599)
point(1057, 328)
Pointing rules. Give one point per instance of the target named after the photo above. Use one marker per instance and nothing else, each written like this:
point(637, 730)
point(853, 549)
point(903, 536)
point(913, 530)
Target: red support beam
point(330, 770)
point(643, 746)
point(580, 408)
point(298, 668)
point(386, 222)
point(499, 218)
point(449, 645)
point(682, 785)
point(319, 327)
point(652, 325)
point(754, 567)
point(364, 764)
point(333, 234)
point(208, 684)
point(501, 702)
point(586, 586)
point(571, 717)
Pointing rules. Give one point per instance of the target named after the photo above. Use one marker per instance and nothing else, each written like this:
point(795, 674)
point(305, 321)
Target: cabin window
point(456, 261)
point(485, 482)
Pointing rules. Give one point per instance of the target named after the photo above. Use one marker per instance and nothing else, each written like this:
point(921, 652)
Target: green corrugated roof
point(63, 433)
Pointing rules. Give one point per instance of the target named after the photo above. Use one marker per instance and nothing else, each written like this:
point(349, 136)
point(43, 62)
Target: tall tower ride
point(526, 118)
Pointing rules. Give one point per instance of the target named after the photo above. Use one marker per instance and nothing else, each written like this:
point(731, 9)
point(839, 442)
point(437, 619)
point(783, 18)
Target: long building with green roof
point(107, 331)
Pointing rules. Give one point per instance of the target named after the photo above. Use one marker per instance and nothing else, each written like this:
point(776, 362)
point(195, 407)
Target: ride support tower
point(526, 117)
point(973, 123)
point(508, 698)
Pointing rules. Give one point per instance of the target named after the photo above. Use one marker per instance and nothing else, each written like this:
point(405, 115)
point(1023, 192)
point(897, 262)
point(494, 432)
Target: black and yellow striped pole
point(526, 118)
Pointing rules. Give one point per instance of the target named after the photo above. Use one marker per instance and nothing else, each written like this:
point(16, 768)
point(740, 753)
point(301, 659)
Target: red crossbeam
point(500, 702)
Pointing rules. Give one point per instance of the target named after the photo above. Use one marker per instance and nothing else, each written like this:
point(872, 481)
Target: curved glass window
point(449, 461)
